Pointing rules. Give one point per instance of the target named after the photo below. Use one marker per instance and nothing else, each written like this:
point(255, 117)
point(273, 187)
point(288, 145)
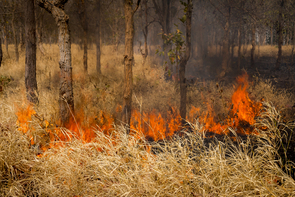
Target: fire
point(244, 108)
point(154, 126)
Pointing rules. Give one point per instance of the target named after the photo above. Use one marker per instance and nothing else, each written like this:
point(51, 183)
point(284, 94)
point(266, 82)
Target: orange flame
point(154, 126)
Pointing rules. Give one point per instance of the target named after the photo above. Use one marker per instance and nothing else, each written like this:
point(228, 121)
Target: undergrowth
point(123, 165)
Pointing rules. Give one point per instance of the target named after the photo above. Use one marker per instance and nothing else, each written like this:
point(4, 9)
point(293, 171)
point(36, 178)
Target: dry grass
point(261, 51)
point(183, 167)
point(121, 165)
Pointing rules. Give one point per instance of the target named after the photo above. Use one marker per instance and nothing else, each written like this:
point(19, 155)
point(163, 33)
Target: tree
point(83, 19)
point(163, 15)
point(225, 8)
point(66, 98)
point(1, 53)
point(98, 21)
point(145, 35)
point(30, 70)
point(184, 60)
point(128, 59)
point(13, 20)
point(280, 32)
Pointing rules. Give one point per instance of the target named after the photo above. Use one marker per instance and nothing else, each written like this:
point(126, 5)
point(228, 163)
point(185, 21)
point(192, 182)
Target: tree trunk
point(98, 64)
point(128, 61)
point(253, 45)
point(225, 51)
point(183, 62)
point(6, 41)
point(145, 34)
point(271, 36)
point(1, 53)
point(239, 44)
point(21, 38)
point(14, 34)
point(66, 98)
point(84, 22)
point(293, 46)
point(39, 27)
point(30, 69)
point(232, 46)
point(163, 14)
point(280, 39)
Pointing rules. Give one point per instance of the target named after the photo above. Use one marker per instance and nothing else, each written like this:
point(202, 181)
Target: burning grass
point(117, 164)
point(95, 157)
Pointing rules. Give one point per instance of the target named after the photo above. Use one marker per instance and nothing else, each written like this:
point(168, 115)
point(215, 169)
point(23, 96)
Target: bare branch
point(137, 5)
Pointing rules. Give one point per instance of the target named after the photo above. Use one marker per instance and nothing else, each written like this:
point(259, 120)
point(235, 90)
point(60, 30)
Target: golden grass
point(183, 167)
point(262, 51)
point(124, 165)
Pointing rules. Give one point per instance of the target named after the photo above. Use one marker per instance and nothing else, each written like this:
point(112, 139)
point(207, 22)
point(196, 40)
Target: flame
point(154, 126)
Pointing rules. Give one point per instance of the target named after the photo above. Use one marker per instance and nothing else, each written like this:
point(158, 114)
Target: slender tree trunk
point(239, 44)
point(98, 64)
point(280, 39)
point(232, 46)
point(14, 34)
point(271, 36)
point(39, 27)
point(30, 70)
point(225, 51)
point(117, 36)
point(66, 102)
point(21, 38)
point(128, 60)
point(1, 53)
point(293, 46)
point(258, 47)
point(145, 34)
point(215, 43)
point(253, 45)
point(183, 62)
point(84, 22)
point(6, 41)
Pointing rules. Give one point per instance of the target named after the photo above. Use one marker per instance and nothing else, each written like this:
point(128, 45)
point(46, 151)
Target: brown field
point(115, 164)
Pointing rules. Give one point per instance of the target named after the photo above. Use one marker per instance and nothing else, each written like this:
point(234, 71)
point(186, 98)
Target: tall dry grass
point(122, 165)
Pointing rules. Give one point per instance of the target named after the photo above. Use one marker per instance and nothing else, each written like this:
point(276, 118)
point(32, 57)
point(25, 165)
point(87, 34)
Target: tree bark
point(280, 39)
point(163, 14)
point(66, 98)
point(6, 41)
point(128, 60)
point(225, 49)
point(145, 34)
point(239, 44)
point(183, 62)
point(85, 41)
point(39, 35)
point(98, 53)
point(293, 45)
point(30, 69)
point(21, 38)
point(271, 36)
point(1, 53)
point(14, 34)
point(253, 45)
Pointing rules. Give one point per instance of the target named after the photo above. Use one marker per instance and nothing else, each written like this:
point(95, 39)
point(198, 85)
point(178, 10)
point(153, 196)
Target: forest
point(147, 98)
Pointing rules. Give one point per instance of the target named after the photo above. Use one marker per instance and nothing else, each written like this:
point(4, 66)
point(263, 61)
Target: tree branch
point(137, 5)
point(217, 8)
